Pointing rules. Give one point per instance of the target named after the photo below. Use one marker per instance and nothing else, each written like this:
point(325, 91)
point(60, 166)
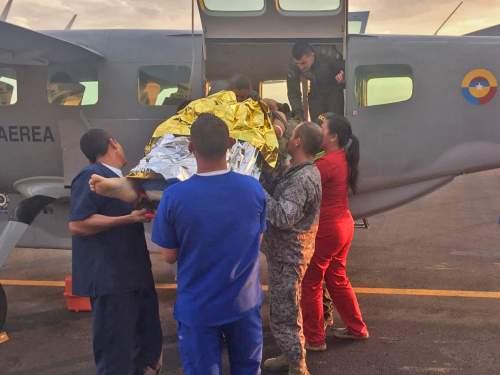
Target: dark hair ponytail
point(353, 161)
point(342, 127)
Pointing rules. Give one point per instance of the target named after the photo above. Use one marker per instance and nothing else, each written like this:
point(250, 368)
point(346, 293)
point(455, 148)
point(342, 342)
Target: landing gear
point(3, 307)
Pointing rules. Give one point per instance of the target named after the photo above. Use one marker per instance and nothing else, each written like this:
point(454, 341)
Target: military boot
point(277, 364)
point(298, 368)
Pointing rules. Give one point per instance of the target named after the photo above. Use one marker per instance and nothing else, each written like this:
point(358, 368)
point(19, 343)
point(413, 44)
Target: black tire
point(3, 307)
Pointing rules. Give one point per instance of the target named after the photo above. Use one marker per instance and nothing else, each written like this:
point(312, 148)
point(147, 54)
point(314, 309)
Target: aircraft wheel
point(3, 307)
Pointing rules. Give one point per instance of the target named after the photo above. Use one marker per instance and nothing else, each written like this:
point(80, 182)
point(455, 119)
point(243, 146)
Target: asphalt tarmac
point(408, 270)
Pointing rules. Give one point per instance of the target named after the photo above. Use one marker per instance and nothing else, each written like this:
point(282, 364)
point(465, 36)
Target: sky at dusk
point(386, 16)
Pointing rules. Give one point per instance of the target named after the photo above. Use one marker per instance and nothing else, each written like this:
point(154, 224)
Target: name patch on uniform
point(290, 75)
point(26, 134)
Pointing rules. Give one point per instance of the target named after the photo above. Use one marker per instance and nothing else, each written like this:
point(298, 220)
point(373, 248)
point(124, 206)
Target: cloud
point(395, 16)
point(423, 17)
point(103, 14)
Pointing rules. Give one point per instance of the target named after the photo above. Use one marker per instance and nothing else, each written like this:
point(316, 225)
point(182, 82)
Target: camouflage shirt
point(292, 215)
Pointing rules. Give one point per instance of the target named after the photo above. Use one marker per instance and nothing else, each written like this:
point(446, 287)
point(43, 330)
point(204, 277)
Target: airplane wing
point(20, 46)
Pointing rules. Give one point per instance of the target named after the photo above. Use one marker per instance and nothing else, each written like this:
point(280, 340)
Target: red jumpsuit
point(333, 239)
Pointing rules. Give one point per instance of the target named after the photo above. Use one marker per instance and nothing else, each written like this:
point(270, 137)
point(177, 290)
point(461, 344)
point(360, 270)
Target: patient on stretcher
point(168, 157)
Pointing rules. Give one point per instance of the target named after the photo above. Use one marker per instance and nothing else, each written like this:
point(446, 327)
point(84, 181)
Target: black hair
point(300, 49)
point(239, 81)
point(61, 77)
point(322, 118)
point(342, 127)
point(95, 143)
point(210, 136)
point(311, 136)
point(183, 105)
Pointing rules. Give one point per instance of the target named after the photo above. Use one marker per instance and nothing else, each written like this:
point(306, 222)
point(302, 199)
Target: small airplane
point(423, 107)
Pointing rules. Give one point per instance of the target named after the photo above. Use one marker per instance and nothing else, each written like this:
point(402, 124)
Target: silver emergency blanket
point(170, 158)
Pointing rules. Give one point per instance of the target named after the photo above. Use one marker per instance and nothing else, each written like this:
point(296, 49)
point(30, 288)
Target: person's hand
point(137, 216)
point(340, 77)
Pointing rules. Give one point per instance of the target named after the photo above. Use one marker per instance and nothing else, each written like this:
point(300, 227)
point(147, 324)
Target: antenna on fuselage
point(446, 20)
point(6, 10)
point(70, 24)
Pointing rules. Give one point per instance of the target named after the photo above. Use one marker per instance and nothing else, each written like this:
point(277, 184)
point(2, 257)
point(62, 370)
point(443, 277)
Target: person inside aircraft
point(64, 91)
point(339, 172)
point(324, 67)
point(6, 92)
point(242, 87)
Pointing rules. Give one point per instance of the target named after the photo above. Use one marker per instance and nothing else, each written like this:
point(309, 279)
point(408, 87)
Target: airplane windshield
point(163, 84)
point(72, 86)
point(8, 87)
point(310, 5)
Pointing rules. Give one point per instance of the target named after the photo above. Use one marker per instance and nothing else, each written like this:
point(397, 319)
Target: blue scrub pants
point(201, 347)
point(127, 333)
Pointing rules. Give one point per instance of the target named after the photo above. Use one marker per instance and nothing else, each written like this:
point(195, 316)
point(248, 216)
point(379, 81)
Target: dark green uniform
point(325, 94)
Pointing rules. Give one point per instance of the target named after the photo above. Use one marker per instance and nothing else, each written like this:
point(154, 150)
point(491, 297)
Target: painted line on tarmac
point(31, 283)
point(384, 291)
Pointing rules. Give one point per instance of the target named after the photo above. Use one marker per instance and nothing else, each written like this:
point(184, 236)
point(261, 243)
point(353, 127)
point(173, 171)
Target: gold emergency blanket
point(246, 122)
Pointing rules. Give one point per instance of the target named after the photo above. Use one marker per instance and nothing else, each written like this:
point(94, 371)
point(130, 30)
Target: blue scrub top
point(113, 261)
point(216, 223)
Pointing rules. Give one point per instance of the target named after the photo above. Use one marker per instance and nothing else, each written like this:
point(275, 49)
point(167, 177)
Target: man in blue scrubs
point(111, 265)
point(212, 224)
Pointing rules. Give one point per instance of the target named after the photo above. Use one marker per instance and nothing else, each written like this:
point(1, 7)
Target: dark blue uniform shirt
point(113, 261)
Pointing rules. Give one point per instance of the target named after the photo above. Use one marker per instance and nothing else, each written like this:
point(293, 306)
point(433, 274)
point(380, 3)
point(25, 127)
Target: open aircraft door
point(255, 37)
point(427, 107)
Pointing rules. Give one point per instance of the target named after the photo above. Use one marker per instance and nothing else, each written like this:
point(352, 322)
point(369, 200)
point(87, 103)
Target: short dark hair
point(95, 143)
point(239, 81)
point(311, 136)
point(300, 49)
point(183, 105)
point(210, 136)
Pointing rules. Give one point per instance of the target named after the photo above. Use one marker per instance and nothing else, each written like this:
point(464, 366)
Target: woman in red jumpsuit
point(339, 172)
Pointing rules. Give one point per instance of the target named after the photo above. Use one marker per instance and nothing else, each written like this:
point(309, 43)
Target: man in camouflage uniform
point(292, 223)
point(324, 67)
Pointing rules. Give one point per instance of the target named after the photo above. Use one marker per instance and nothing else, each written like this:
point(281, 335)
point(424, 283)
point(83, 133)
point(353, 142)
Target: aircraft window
point(163, 84)
point(355, 27)
point(382, 84)
point(8, 87)
point(72, 86)
point(310, 5)
point(234, 5)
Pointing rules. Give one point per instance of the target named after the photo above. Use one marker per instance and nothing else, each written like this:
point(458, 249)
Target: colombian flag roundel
point(479, 86)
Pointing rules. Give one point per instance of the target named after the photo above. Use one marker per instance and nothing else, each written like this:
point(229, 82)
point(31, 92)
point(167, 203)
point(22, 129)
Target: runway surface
point(426, 277)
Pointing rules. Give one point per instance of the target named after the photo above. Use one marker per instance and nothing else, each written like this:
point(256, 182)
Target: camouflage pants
point(285, 287)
